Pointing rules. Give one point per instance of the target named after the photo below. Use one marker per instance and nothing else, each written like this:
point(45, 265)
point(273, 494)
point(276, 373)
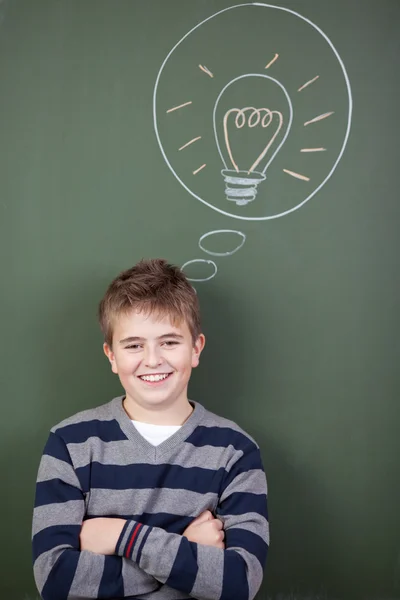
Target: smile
point(155, 378)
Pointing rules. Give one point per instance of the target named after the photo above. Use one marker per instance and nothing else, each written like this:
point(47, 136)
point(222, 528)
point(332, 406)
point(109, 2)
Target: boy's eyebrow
point(134, 339)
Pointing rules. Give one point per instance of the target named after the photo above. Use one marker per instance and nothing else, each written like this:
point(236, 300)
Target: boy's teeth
point(154, 377)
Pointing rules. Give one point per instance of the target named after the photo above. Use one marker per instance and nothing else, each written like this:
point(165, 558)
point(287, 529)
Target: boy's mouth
point(156, 378)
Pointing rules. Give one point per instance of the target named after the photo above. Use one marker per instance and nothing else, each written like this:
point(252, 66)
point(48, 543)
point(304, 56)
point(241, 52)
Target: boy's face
point(153, 359)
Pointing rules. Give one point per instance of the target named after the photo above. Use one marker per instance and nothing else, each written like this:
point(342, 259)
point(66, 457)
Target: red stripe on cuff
point(134, 534)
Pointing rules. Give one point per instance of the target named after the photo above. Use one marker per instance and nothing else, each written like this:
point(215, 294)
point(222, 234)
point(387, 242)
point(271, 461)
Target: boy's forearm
point(197, 570)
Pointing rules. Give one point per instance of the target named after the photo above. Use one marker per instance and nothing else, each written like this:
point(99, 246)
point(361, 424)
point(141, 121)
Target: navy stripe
point(234, 582)
point(253, 543)
point(61, 577)
point(220, 437)
point(112, 584)
point(56, 535)
point(184, 571)
point(249, 461)
point(167, 521)
point(240, 503)
point(107, 431)
point(55, 491)
point(118, 547)
point(147, 476)
point(56, 447)
point(142, 543)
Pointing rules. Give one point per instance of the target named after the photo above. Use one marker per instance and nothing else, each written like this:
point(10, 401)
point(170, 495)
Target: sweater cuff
point(132, 540)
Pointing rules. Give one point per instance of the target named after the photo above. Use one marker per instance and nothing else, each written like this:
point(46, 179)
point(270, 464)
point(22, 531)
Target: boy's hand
point(101, 535)
point(206, 530)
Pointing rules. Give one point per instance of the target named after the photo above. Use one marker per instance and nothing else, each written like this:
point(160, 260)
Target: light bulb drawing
point(241, 184)
point(249, 145)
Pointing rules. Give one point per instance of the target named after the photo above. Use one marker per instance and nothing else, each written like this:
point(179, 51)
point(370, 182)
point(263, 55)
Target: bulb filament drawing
point(241, 183)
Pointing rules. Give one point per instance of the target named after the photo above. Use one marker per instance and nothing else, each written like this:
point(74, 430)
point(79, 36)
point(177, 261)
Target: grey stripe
point(101, 413)
point(165, 500)
point(248, 522)
point(119, 453)
point(52, 468)
point(66, 513)
point(136, 581)
point(168, 593)
point(208, 583)
point(88, 575)
point(252, 481)
point(123, 453)
point(159, 563)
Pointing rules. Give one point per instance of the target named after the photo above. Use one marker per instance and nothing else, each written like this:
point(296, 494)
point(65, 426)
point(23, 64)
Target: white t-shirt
point(155, 434)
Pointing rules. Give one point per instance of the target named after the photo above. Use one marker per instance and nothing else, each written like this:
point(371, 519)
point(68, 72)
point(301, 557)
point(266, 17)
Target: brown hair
point(151, 286)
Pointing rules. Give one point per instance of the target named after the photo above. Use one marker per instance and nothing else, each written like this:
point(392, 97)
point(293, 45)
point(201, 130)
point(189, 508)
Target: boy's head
point(151, 323)
point(152, 287)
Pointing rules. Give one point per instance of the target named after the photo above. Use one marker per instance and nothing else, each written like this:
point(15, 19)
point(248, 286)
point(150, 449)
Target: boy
point(150, 496)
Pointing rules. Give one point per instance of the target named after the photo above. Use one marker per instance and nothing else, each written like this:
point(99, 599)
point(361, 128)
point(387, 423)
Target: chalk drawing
point(249, 191)
point(240, 121)
point(199, 169)
point(190, 142)
point(220, 232)
point(205, 70)
point(244, 184)
point(271, 62)
point(178, 107)
point(308, 83)
point(246, 177)
point(319, 118)
point(313, 150)
point(297, 175)
point(204, 262)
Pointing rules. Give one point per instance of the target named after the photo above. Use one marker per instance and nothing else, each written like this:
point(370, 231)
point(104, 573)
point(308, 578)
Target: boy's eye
point(170, 343)
point(133, 347)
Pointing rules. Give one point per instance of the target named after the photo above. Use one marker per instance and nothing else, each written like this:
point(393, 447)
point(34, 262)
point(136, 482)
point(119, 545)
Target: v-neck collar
point(149, 451)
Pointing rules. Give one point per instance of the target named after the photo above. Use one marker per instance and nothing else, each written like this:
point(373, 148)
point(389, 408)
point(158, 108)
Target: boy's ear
point(111, 357)
point(197, 349)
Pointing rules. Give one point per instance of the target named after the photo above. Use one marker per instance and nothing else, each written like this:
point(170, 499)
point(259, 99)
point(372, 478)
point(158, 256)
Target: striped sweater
point(96, 464)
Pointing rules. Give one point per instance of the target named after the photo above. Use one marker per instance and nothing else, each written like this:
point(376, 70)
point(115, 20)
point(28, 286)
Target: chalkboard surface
point(256, 146)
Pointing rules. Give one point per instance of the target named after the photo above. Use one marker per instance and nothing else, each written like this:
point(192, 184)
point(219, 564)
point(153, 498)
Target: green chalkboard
point(256, 146)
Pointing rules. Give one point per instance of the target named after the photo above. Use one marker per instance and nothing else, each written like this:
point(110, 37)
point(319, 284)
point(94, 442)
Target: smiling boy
point(150, 496)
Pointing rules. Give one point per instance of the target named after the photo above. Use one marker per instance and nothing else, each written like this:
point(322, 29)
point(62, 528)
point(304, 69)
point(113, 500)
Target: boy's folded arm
point(61, 570)
point(205, 572)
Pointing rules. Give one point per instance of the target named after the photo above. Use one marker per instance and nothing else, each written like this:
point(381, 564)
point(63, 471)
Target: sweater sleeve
point(205, 572)
point(61, 570)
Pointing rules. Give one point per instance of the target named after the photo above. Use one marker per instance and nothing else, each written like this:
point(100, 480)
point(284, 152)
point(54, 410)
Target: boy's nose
point(152, 358)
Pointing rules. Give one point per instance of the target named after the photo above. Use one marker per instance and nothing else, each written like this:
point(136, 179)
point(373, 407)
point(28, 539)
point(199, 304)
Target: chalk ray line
point(308, 83)
point(191, 142)
point(297, 175)
point(313, 150)
point(319, 118)
point(205, 70)
point(271, 62)
point(199, 169)
point(180, 106)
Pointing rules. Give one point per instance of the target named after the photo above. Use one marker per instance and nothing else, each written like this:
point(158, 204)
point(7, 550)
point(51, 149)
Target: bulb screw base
point(241, 186)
